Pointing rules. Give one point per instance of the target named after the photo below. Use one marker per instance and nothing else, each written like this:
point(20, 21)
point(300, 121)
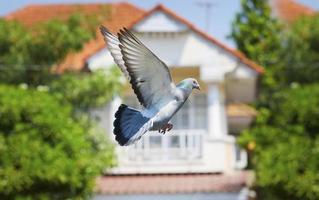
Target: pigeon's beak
point(197, 87)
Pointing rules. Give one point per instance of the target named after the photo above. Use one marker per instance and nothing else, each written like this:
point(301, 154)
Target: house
point(203, 137)
point(200, 154)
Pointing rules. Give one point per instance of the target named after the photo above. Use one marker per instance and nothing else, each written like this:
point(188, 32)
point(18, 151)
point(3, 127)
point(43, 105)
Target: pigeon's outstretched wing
point(113, 45)
point(149, 76)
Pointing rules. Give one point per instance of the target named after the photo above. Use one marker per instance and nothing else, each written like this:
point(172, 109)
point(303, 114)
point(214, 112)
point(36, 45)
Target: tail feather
point(129, 125)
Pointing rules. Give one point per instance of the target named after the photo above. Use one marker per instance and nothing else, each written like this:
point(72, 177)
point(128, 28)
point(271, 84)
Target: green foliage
point(45, 152)
point(14, 40)
point(289, 55)
point(302, 51)
point(48, 149)
point(28, 55)
point(283, 142)
point(54, 39)
point(256, 33)
point(86, 91)
point(287, 145)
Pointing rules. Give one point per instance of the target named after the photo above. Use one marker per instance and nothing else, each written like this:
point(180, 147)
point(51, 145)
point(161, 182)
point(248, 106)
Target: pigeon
point(152, 83)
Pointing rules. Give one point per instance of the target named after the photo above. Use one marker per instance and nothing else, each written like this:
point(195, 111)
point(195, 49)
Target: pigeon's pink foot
point(169, 127)
point(165, 128)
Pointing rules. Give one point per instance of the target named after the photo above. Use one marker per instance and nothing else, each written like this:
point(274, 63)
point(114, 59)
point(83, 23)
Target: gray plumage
point(152, 83)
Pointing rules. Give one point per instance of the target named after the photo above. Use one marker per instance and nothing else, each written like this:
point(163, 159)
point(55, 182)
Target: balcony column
point(217, 121)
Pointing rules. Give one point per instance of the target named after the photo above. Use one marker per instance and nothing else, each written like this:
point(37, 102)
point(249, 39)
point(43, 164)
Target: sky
point(221, 14)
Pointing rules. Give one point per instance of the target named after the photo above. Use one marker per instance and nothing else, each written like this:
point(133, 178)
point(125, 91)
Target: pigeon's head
point(193, 83)
point(189, 84)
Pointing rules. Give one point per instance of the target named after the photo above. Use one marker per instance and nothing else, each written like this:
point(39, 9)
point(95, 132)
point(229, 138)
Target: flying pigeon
point(152, 83)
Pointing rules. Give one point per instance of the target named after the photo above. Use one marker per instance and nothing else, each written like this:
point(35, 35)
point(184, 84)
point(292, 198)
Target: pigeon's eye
point(194, 82)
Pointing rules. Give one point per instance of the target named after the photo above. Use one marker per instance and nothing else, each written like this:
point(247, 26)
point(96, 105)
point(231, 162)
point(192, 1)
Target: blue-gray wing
point(149, 76)
point(114, 48)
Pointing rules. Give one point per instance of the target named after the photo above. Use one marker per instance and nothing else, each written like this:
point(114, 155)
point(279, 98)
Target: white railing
point(174, 145)
point(240, 158)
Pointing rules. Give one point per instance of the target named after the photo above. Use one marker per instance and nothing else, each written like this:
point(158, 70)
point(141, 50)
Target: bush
point(301, 52)
point(45, 152)
point(27, 55)
point(87, 90)
point(287, 145)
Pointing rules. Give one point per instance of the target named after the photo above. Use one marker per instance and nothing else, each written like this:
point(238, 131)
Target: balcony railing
point(176, 145)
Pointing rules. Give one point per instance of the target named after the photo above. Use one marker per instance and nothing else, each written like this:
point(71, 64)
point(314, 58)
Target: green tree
point(28, 55)
point(301, 52)
point(45, 152)
point(14, 42)
point(283, 142)
point(258, 35)
point(287, 145)
point(50, 150)
point(87, 90)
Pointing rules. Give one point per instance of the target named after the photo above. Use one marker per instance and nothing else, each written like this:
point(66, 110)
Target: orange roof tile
point(172, 184)
point(37, 13)
point(290, 10)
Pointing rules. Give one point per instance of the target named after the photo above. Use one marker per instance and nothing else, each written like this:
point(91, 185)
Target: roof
point(234, 52)
point(37, 13)
point(240, 110)
point(121, 15)
point(290, 10)
point(172, 184)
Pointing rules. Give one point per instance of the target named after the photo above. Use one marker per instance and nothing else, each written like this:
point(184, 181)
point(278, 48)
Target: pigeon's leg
point(167, 127)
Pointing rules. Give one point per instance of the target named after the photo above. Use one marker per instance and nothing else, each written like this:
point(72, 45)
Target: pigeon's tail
point(129, 125)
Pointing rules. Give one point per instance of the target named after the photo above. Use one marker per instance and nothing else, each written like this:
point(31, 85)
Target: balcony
point(177, 145)
point(180, 151)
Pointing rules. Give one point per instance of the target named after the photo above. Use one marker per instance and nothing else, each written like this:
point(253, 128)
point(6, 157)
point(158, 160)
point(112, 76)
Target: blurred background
point(250, 133)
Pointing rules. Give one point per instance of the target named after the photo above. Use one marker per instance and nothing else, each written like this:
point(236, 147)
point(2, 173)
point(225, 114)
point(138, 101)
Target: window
point(174, 141)
point(193, 115)
point(181, 118)
point(237, 153)
point(200, 112)
point(155, 142)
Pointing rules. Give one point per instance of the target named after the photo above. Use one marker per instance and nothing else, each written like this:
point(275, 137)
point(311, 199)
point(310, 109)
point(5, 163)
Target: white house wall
point(102, 59)
point(198, 51)
point(184, 49)
point(103, 116)
point(168, 47)
point(188, 49)
point(159, 22)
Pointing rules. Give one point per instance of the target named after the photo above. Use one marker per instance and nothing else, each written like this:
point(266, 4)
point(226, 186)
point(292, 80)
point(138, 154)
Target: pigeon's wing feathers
point(150, 77)
point(113, 46)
